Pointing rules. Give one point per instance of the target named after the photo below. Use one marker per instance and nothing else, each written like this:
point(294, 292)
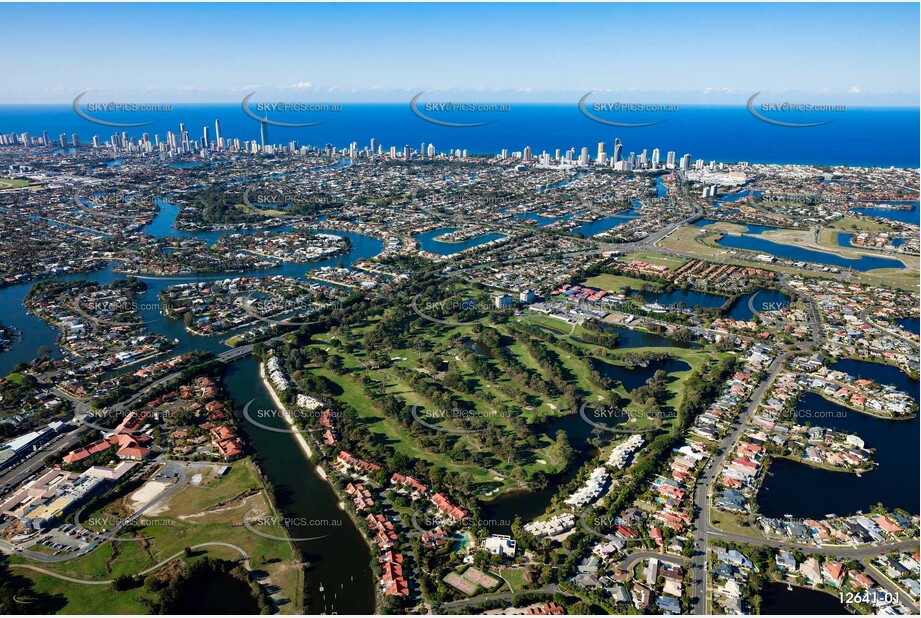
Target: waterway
point(805, 491)
point(777, 600)
point(686, 298)
point(499, 513)
point(753, 243)
point(338, 563)
point(587, 228)
point(640, 339)
point(735, 197)
point(428, 243)
point(750, 228)
point(763, 300)
point(844, 240)
point(591, 228)
point(215, 594)
point(912, 216)
point(338, 576)
point(633, 377)
point(911, 325)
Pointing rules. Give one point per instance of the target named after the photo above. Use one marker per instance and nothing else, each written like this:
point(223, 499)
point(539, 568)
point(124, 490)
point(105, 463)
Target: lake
point(753, 243)
point(428, 243)
point(777, 600)
point(805, 491)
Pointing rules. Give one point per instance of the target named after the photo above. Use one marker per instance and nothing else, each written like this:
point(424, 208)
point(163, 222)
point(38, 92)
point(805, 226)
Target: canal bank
point(338, 578)
point(337, 558)
point(807, 491)
point(777, 598)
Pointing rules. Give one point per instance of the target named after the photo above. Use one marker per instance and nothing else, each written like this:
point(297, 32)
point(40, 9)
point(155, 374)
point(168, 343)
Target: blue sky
point(687, 53)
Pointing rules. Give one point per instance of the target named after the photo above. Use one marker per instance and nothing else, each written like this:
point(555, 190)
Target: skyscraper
point(618, 147)
point(655, 157)
point(264, 132)
point(670, 159)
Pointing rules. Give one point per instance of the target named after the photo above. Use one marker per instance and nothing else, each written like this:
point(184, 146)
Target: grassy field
point(393, 433)
point(13, 183)
point(853, 224)
point(828, 238)
point(195, 514)
point(514, 579)
point(732, 523)
point(684, 240)
point(806, 239)
point(658, 259)
point(726, 226)
point(451, 349)
point(616, 283)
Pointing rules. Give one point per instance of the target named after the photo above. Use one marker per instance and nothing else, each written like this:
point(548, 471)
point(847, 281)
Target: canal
point(864, 263)
point(428, 243)
point(805, 491)
point(338, 576)
point(776, 600)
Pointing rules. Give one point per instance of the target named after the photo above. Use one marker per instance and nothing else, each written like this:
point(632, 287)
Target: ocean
point(874, 137)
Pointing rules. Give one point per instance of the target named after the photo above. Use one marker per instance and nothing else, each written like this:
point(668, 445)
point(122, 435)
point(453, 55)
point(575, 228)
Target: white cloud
point(302, 85)
point(723, 90)
point(855, 90)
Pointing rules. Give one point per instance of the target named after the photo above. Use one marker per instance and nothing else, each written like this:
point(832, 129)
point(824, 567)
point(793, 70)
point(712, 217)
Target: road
point(170, 469)
point(91, 582)
point(501, 596)
point(703, 529)
point(702, 489)
point(635, 557)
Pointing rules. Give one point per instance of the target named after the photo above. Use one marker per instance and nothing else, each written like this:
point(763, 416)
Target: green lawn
point(13, 183)
point(445, 347)
point(852, 223)
point(658, 259)
point(616, 283)
point(193, 515)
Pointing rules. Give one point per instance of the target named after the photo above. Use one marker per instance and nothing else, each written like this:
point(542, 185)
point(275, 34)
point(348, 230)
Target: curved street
point(91, 582)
